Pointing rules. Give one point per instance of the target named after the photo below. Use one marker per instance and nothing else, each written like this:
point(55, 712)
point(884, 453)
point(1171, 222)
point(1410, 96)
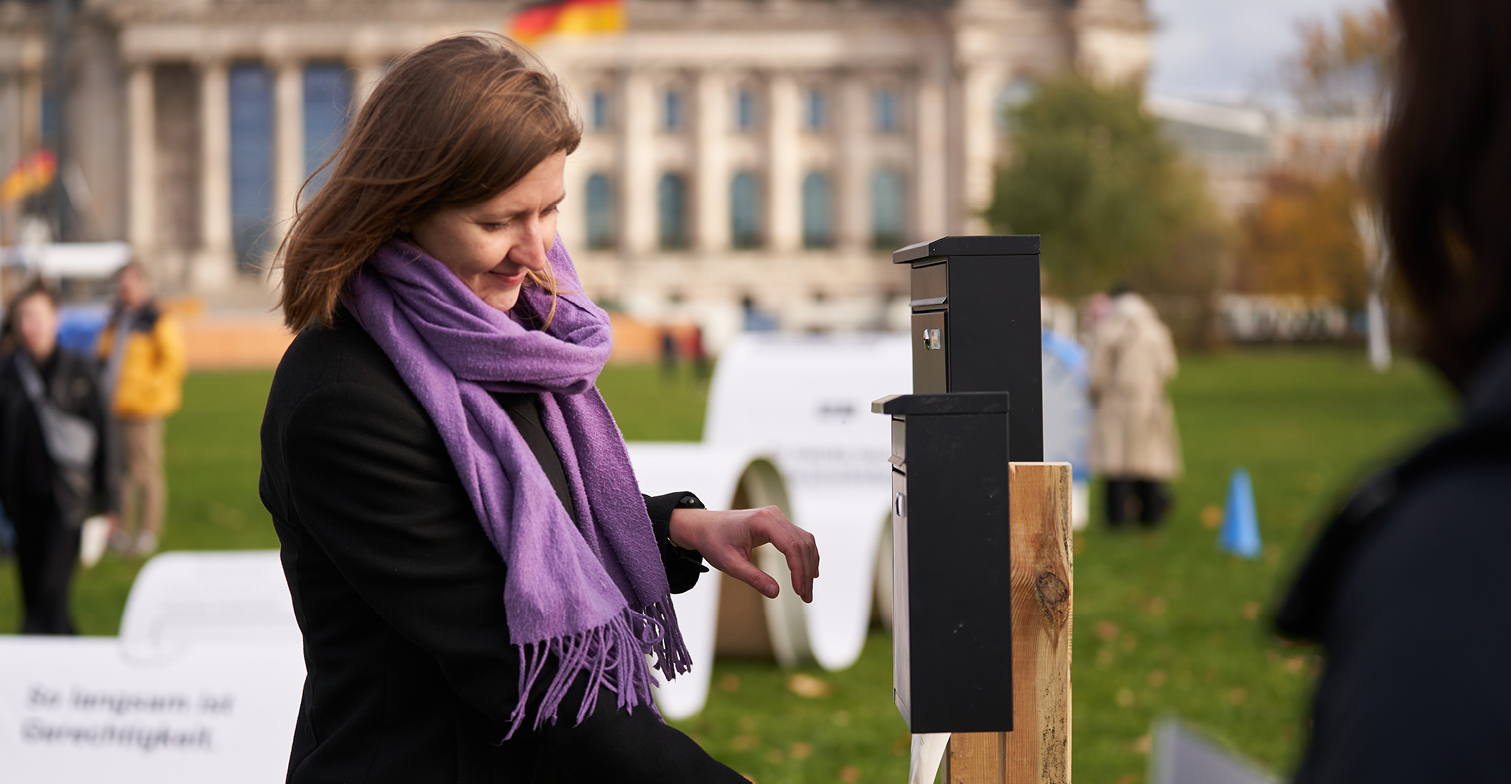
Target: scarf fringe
point(613, 656)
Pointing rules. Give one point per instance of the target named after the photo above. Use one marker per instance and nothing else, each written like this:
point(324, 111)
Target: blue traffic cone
point(1240, 525)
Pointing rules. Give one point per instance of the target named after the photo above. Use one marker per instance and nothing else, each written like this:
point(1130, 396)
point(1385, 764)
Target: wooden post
point(1038, 750)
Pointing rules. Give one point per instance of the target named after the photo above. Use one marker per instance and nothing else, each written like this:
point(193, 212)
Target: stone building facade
point(743, 160)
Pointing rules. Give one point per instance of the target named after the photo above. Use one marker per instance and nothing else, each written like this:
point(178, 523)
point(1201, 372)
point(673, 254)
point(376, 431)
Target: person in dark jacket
point(48, 494)
point(1406, 589)
point(479, 582)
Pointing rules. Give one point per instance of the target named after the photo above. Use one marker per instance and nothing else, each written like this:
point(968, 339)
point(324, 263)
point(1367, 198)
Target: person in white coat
point(1134, 445)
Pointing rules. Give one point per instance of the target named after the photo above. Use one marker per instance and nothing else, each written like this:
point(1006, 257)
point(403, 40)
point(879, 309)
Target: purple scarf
point(591, 594)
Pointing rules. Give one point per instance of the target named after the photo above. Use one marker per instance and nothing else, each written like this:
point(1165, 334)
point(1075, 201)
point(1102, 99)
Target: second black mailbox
point(951, 566)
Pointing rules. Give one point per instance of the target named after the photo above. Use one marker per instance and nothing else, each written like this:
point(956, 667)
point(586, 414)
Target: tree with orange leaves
point(1301, 240)
point(1304, 236)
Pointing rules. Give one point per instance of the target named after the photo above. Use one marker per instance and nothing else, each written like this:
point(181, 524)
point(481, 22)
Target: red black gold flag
point(30, 175)
point(566, 17)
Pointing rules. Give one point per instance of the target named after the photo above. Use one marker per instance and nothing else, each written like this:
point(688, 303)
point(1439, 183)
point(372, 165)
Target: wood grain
point(1038, 750)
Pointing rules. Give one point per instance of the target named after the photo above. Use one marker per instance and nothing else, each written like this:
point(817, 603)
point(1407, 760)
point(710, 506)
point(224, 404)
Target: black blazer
point(411, 675)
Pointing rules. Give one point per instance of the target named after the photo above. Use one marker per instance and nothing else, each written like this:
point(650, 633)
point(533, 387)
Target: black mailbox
point(951, 570)
point(976, 325)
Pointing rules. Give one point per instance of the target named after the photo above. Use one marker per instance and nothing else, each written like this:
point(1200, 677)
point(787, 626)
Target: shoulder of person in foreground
point(1416, 686)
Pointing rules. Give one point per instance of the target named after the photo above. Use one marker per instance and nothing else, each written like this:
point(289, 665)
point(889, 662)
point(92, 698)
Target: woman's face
point(490, 246)
point(37, 323)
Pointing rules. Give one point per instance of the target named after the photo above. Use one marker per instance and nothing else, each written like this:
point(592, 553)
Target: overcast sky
point(1229, 50)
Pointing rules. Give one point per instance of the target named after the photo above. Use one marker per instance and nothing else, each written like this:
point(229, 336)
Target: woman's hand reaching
point(726, 540)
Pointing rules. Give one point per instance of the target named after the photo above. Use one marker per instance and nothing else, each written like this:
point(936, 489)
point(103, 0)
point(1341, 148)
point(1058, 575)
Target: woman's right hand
point(727, 539)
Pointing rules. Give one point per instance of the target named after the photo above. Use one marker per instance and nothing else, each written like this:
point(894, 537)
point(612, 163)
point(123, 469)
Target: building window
point(818, 211)
point(888, 209)
point(744, 211)
point(671, 110)
point(886, 112)
point(745, 110)
point(250, 93)
point(816, 110)
point(327, 96)
point(600, 204)
point(49, 117)
point(1015, 94)
point(600, 110)
point(671, 208)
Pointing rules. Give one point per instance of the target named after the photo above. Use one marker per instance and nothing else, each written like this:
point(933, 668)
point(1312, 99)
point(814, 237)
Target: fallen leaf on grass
point(849, 774)
point(807, 686)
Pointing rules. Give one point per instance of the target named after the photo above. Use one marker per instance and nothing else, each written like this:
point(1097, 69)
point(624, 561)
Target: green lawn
point(1166, 623)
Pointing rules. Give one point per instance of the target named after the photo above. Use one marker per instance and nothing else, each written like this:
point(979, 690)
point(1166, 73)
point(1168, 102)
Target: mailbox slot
point(931, 366)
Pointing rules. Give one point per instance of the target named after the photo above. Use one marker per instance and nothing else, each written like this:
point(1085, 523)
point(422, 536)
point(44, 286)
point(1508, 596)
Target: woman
point(1133, 439)
point(476, 575)
point(52, 459)
point(1406, 588)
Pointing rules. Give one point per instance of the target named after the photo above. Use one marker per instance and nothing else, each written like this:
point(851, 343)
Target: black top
point(524, 409)
point(29, 481)
point(1407, 590)
point(982, 245)
point(411, 675)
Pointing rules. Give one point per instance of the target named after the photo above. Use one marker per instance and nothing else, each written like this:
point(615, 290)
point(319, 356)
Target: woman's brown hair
point(453, 124)
point(1445, 167)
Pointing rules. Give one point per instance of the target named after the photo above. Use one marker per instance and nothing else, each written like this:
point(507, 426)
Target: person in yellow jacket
point(142, 350)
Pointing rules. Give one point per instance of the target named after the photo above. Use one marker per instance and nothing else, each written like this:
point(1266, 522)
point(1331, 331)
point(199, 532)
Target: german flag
point(566, 17)
point(30, 175)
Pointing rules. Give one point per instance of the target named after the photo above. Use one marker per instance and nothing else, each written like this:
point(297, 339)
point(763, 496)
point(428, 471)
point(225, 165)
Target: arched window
point(671, 110)
point(600, 110)
point(600, 204)
point(327, 95)
point(887, 111)
point(1014, 94)
point(816, 110)
point(744, 211)
point(671, 205)
point(888, 209)
point(745, 109)
point(818, 211)
point(250, 93)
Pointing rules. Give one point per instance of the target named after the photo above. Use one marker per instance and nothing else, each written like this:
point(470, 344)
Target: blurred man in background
point(142, 349)
point(1133, 440)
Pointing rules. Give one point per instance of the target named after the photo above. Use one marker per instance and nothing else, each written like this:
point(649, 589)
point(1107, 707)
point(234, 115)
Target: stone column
point(853, 207)
point(711, 168)
point(979, 132)
point(215, 267)
point(931, 163)
point(288, 143)
point(364, 79)
point(784, 202)
point(637, 165)
point(141, 161)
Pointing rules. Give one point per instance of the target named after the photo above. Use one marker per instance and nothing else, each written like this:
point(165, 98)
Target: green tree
point(1111, 197)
